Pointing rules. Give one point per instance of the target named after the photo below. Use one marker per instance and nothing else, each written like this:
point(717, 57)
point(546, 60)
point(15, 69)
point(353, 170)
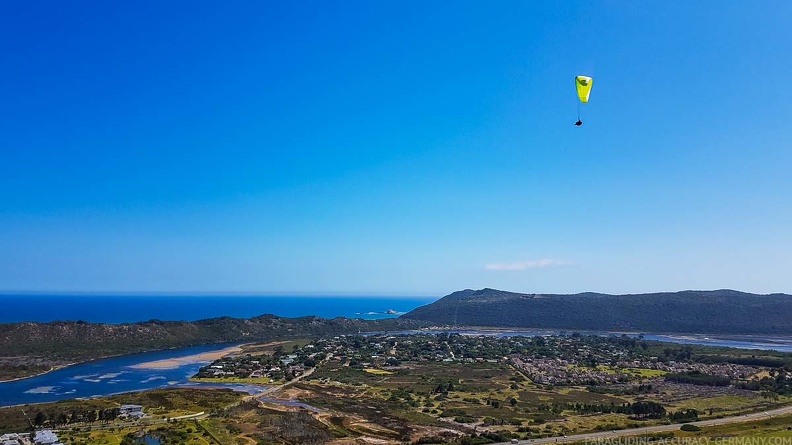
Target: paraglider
point(583, 86)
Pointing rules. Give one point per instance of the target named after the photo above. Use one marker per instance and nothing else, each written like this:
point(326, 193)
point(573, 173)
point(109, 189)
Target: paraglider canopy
point(583, 85)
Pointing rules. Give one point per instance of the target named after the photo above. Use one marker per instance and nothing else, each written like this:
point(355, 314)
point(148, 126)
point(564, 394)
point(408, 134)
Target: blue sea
point(133, 308)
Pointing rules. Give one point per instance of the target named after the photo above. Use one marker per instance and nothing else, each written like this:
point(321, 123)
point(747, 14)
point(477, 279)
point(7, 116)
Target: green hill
point(77, 340)
point(711, 312)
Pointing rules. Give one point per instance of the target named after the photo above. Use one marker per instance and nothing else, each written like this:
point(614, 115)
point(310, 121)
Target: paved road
point(656, 428)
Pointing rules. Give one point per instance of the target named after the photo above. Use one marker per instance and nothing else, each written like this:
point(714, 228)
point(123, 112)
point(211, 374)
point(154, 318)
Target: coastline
point(176, 362)
point(54, 368)
point(59, 367)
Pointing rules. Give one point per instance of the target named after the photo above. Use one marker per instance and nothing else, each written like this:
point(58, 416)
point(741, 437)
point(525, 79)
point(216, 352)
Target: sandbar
point(175, 362)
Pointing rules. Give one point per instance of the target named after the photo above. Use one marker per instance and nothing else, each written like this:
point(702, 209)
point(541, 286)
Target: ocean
point(133, 308)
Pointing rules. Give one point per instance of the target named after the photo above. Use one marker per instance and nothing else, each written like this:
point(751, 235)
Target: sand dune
point(176, 362)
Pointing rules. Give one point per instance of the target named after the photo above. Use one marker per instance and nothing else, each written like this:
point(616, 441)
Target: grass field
point(377, 371)
point(269, 347)
point(495, 397)
point(491, 396)
point(646, 373)
point(771, 427)
point(723, 405)
point(180, 432)
point(179, 401)
point(157, 403)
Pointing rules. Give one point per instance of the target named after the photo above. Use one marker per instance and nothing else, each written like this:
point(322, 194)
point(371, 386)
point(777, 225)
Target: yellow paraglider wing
point(583, 85)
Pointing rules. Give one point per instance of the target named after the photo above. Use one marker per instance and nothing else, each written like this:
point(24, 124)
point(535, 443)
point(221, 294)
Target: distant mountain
point(710, 312)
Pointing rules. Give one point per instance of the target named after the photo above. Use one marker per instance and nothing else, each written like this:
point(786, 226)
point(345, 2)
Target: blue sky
point(394, 147)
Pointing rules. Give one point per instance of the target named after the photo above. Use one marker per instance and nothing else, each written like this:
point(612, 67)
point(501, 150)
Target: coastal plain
point(430, 387)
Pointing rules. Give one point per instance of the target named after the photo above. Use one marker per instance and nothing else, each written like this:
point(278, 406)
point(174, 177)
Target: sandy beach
point(176, 362)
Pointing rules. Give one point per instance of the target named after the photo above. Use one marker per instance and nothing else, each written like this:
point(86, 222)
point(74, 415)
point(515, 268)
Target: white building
point(134, 411)
point(10, 439)
point(46, 437)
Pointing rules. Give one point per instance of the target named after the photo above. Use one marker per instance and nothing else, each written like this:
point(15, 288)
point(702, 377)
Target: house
point(46, 437)
point(10, 439)
point(133, 411)
point(296, 369)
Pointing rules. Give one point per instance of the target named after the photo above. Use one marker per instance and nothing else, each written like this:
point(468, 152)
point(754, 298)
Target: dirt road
point(655, 429)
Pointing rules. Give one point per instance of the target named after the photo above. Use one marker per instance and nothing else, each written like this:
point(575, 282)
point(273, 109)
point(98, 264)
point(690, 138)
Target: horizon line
point(141, 293)
point(329, 294)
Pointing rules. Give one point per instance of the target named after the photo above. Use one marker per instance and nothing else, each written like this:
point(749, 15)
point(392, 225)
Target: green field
point(157, 403)
point(771, 427)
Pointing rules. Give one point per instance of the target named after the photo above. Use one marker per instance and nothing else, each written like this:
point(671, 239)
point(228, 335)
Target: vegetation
point(12, 368)
point(697, 378)
point(780, 426)
point(711, 312)
point(161, 403)
point(441, 388)
point(60, 342)
point(263, 364)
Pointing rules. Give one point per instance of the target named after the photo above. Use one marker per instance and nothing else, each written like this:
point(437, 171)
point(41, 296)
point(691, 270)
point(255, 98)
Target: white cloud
point(528, 264)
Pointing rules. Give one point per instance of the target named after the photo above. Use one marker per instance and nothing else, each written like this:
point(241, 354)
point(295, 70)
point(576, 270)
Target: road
point(656, 428)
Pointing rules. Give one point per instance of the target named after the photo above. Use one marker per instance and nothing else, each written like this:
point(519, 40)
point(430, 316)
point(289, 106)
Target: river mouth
point(120, 374)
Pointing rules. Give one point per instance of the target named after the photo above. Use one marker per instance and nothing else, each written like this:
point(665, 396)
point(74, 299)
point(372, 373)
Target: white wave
point(151, 379)
point(41, 390)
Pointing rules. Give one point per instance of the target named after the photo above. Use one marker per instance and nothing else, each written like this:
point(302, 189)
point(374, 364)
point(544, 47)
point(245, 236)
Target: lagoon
point(111, 376)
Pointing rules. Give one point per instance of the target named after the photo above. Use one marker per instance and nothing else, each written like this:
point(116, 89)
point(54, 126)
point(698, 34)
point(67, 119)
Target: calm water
point(128, 308)
point(147, 440)
point(744, 342)
point(107, 376)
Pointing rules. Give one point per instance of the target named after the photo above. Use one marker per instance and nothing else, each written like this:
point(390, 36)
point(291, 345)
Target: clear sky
point(395, 147)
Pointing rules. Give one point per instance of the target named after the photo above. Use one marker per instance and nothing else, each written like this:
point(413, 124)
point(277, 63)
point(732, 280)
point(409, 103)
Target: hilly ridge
point(78, 340)
point(709, 312)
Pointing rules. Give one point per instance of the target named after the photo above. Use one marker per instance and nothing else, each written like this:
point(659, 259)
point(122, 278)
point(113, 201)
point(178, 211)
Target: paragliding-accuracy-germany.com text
point(653, 440)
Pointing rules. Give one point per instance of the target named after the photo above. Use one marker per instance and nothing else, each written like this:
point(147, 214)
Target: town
point(430, 387)
point(548, 360)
